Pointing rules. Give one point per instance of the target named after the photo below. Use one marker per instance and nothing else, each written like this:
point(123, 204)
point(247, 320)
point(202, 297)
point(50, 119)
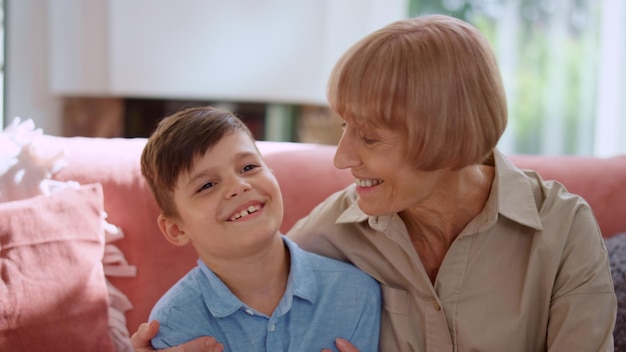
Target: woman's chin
point(371, 210)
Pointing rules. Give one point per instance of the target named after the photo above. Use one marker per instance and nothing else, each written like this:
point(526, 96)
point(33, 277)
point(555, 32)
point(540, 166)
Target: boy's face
point(229, 204)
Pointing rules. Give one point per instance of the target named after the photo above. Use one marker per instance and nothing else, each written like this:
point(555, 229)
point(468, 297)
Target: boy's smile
point(245, 211)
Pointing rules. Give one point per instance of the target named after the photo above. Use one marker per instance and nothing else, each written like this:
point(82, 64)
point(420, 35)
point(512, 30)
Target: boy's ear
point(172, 231)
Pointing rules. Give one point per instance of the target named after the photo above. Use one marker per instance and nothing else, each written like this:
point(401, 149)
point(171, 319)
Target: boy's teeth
point(251, 209)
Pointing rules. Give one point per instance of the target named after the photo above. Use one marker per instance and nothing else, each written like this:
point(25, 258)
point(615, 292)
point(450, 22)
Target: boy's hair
point(177, 142)
point(435, 79)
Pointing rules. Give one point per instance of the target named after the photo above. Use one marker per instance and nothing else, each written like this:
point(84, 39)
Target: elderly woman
point(472, 253)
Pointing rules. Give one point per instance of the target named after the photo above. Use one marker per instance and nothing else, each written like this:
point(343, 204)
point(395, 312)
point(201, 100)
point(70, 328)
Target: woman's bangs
point(370, 95)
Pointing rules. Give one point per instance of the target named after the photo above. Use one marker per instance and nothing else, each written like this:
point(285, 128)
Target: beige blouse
point(529, 273)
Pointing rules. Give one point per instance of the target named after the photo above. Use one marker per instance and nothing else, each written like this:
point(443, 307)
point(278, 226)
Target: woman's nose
point(345, 155)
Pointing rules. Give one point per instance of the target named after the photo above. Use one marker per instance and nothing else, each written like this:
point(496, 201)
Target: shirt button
point(249, 311)
point(436, 305)
point(272, 327)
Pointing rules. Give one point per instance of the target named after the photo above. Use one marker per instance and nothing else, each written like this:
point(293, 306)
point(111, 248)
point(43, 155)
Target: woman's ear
point(172, 231)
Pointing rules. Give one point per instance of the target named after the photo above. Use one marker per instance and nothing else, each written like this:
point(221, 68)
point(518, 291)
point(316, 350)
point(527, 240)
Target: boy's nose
point(238, 186)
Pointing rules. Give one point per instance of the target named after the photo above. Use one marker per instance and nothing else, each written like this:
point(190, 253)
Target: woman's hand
point(146, 331)
point(343, 346)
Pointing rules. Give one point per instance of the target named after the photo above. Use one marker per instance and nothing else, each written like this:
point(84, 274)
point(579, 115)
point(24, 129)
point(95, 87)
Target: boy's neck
point(261, 282)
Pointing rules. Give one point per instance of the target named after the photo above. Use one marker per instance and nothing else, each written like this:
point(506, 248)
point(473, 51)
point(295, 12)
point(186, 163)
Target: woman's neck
point(461, 197)
point(437, 222)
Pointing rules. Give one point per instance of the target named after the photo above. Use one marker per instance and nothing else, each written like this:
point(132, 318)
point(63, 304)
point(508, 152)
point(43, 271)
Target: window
point(562, 63)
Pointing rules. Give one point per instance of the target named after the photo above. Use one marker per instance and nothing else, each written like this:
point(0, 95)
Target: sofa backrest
point(306, 175)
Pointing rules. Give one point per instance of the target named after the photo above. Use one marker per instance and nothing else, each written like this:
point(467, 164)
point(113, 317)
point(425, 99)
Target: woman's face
point(386, 181)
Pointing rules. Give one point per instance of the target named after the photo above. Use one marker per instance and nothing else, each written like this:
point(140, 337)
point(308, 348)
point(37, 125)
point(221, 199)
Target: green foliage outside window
point(549, 71)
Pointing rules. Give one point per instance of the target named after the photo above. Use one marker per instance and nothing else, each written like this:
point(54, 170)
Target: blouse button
point(436, 305)
point(249, 311)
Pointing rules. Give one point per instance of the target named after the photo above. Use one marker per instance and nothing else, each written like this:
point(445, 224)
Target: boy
point(253, 289)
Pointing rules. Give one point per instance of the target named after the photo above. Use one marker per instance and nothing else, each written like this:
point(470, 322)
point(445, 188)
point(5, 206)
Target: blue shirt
point(324, 299)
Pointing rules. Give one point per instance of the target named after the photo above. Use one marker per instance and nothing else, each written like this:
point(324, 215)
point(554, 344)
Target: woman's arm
point(584, 305)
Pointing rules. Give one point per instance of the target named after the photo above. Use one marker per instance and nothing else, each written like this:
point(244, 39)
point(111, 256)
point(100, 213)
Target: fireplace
point(137, 117)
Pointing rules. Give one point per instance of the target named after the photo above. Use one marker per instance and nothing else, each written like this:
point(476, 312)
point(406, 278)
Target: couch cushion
point(53, 290)
point(306, 175)
point(114, 163)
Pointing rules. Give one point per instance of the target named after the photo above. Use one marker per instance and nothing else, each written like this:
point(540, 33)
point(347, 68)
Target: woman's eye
point(368, 140)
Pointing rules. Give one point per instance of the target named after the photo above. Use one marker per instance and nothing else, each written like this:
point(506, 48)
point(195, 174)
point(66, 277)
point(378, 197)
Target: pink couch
point(306, 175)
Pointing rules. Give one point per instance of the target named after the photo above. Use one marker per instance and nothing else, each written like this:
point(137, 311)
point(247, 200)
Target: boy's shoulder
point(322, 263)
point(184, 293)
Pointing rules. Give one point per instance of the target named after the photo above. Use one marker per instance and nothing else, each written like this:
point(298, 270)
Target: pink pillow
point(53, 292)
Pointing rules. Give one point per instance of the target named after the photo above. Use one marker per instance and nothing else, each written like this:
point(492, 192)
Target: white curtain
point(610, 122)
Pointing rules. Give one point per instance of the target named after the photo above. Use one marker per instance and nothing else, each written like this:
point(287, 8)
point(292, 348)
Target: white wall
point(276, 51)
point(26, 67)
point(167, 49)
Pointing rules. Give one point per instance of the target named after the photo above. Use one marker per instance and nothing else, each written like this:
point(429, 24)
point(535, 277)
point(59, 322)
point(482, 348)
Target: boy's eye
point(249, 167)
point(206, 186)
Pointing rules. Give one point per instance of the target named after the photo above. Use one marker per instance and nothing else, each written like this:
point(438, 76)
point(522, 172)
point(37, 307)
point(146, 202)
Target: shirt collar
point(220, 301)
point(301, 282)
point(511, 196)
point(302, 279)
point(352, 214)
point(515, 195)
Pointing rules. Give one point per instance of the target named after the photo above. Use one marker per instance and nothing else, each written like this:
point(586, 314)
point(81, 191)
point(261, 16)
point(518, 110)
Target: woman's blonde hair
point(436, 79)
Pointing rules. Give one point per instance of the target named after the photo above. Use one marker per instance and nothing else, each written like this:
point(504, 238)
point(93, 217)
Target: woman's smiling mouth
point(367, 182)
